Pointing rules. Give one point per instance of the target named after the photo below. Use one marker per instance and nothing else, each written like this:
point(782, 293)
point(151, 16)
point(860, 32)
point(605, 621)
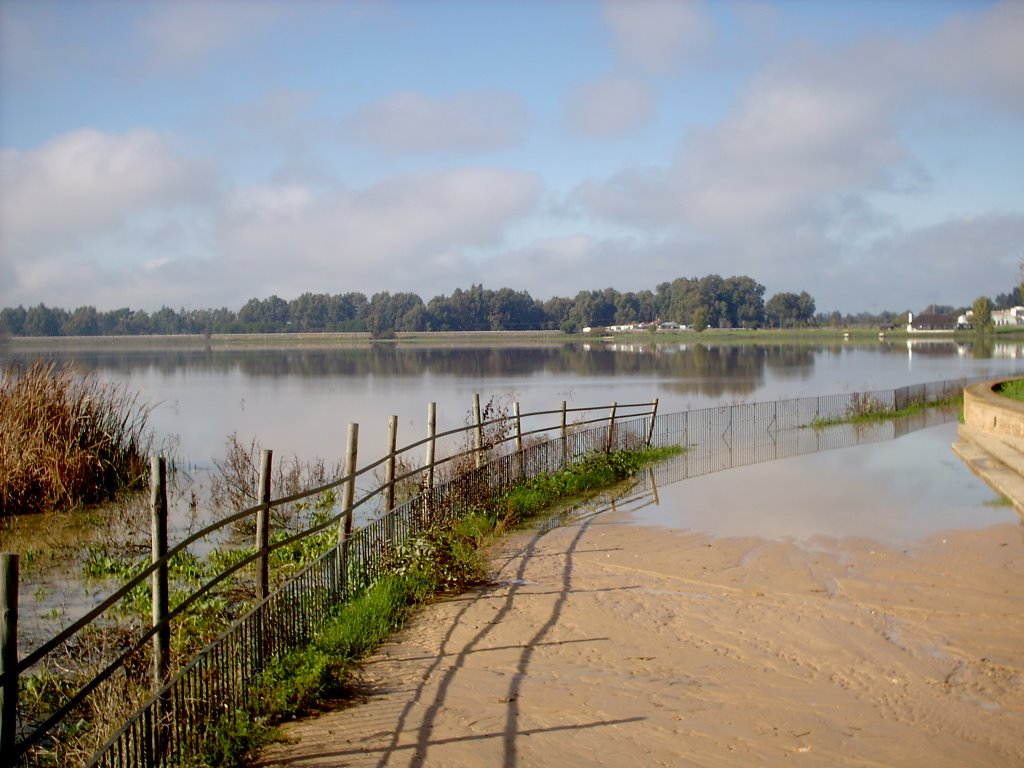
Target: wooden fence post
point(564, 433)
point(478, 419)
point(8, 653)
point(158, 519)
point(611, 429)
point(347, 501)
point(263, 525)
point(650, 427)
point(390, 468)
point(520, 459)
point(428, 482)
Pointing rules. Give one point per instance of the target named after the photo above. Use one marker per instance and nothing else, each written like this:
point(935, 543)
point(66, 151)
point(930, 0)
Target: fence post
point(8, 652)
point(564, 433)
point(611, 429)
point(478, 419)
point(428, 492)
point(650, 427)
point(520, 459)
point(158, 519)
point(390, 468)
point(263, 525)
point(159, 598)
point(347, 500)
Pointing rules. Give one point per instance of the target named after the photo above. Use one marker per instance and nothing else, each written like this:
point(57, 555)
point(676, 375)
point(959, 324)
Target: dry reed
point(67, 438)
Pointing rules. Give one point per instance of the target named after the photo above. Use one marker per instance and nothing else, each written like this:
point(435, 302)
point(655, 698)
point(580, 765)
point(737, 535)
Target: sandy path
point(606, 643)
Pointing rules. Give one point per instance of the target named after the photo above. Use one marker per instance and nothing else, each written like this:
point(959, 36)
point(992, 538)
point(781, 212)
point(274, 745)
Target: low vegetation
point(864, 409)
point(443, 560)
point(68, 438)
point(1012, 389)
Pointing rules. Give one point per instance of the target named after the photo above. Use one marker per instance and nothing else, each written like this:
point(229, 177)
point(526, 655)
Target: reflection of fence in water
point(710, 450)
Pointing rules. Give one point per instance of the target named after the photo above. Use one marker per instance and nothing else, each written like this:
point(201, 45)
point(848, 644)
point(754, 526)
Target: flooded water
point(895, 488)
point(299, 402)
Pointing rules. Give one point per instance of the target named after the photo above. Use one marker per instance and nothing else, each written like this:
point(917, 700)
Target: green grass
point(1012, 389)
point(439, 561)
point(864, 410)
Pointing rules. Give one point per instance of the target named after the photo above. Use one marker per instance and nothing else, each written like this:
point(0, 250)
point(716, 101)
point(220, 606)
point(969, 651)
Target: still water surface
point(299, 401)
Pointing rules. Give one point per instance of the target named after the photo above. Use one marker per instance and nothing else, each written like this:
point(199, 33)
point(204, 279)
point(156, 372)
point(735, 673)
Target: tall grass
point(67, 438)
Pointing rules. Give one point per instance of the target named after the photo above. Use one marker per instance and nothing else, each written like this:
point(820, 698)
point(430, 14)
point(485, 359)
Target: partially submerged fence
point(496, 453)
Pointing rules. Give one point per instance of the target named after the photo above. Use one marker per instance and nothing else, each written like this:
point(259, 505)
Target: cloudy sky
point(198, 154)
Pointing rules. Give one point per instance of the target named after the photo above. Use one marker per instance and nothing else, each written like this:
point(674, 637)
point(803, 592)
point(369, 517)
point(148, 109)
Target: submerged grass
point(439, 561)
point(864, 410)
point(68, 439)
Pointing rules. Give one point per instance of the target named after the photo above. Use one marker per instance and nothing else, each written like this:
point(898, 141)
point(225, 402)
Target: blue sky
point(198, 154)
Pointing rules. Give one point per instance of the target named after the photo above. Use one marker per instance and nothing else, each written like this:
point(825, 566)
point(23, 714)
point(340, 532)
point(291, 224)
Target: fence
point(496, 453)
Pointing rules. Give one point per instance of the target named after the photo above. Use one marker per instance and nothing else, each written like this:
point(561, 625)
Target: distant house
point(668, 325)
point(929, 323)
point(1012, 316)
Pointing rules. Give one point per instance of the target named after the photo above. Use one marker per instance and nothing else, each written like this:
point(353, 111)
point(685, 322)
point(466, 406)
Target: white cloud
point(185, 34)
point(415, 233)
point(950, 262)
point(414, 122)
point(83, 200)
point(981, 55)
point(611, 107)
point(654, 35)
point(86, 181)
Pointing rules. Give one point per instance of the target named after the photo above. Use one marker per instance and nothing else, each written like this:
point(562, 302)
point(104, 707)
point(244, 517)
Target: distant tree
point(84, 321)
point(12, 320)
point(168, 322)
point(790, 310)
point(981, 321)
point(393, 312)
point(556, 311)
point(41, 320)
point(699, 320)
point(745, 300)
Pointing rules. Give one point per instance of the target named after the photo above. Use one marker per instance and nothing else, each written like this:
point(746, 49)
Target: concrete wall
point(989, 411)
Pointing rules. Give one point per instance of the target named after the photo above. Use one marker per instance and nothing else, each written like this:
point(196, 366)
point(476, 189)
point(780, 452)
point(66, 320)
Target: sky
point(199, 154)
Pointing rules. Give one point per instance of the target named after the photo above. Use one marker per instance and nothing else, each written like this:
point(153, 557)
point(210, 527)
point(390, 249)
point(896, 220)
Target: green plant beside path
point(439, 561)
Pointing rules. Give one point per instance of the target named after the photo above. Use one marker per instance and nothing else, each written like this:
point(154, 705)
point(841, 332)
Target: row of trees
point(710, 301)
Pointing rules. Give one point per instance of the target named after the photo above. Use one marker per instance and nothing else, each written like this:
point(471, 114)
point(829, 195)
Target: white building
point(1012, 316)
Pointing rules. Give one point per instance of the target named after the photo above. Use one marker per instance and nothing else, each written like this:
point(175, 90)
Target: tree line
point(710, 301)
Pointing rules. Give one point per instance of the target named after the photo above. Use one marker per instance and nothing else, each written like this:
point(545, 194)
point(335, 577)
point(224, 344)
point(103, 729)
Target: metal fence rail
point(173, 724)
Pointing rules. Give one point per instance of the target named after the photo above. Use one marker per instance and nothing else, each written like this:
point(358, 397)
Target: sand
point(604, 642)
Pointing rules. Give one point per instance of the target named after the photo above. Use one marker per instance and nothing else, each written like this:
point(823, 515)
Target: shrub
point(69, 439)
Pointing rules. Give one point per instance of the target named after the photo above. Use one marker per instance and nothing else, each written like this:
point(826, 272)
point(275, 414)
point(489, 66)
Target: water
point(897, 491)
point(300, 401)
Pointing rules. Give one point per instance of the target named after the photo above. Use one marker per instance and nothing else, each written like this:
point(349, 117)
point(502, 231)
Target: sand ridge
point(603, 642)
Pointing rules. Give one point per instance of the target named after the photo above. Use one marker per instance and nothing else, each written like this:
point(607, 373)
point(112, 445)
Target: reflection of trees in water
point(691, 369)
point(698, 369)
